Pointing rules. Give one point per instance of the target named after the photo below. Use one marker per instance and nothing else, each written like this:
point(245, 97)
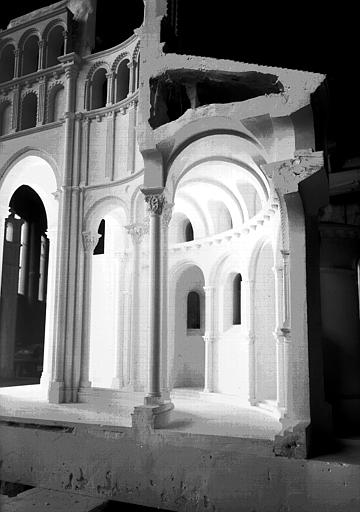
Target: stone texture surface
point(176, 471)
point(44, 500)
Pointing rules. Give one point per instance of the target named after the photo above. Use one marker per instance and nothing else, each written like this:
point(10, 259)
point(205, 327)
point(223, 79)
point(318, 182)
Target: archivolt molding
point(30, 151)
point(5, 43)
point(99, 64)
point(136, 51)
point(97, 208)
point(121, 57)
point(26, 35)
point(54, 23)
point(27, 92)
point(54, 87)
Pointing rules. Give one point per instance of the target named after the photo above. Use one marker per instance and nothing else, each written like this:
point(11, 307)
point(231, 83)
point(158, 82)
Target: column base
point(293, 441)
point(150, 417)
point(56, 392)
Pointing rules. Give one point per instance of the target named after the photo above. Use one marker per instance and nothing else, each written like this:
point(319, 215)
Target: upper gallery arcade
point(153, 211)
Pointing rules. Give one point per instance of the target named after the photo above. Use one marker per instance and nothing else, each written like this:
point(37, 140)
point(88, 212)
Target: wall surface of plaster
point(174, 471)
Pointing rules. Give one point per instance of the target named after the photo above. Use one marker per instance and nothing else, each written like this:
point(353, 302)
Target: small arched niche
point(7, 62)
point(29, 111)
point(55, 46)
point(30, 58)
point(187, 323)
point(99, 89)
point(5, 117)
point(56, 104)
point(122, 80)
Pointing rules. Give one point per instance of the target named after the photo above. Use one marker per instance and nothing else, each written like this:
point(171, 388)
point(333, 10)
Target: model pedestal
point(151, 415)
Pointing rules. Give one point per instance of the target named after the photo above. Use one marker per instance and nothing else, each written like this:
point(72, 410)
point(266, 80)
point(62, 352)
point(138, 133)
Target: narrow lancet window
point(193, 310)
point(237, 300)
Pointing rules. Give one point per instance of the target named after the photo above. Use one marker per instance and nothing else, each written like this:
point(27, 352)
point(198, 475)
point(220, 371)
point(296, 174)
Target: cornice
point(30, 131)
point(115, 107)
point(109, 51)
point(112, 184)
point(17, 24)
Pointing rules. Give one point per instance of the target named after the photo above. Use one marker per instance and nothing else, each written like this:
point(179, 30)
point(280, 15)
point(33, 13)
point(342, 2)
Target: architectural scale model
point(179, 288)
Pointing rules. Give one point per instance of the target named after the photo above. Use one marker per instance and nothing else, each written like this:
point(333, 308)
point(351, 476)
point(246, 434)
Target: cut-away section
point(175, 91)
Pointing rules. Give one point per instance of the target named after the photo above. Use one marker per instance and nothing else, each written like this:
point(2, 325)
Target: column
point(131, 137)
point(286, 334)
point(137, 232)
point(89, 243)
point(66, 42)
point(17, 62)
point(279, 336)
point(166, 217)
point(42, 102)
point(110, 88)
point(50, 301)
point(9, 290)
point(155, 205)
point(121, 261)
point(87, 87)
point(131, 67)
point(15, 108)
point(42, 50)
point(209, 337)
point(247, 299)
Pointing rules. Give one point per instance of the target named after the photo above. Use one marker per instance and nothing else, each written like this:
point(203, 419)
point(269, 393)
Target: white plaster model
point(208, 203)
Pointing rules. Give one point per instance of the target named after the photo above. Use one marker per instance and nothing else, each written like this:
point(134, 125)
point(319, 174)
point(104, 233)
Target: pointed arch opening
point(56, 104)
point(188, 319)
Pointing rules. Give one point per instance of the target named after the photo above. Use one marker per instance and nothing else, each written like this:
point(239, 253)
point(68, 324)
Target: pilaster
point(209, 337)
point(288, 178)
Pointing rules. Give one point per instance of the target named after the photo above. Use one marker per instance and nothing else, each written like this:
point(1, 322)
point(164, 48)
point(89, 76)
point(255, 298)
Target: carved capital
point(156, 203)
point(90, 241)
point(71, 71)
point(137, 231)
point(209, 338)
